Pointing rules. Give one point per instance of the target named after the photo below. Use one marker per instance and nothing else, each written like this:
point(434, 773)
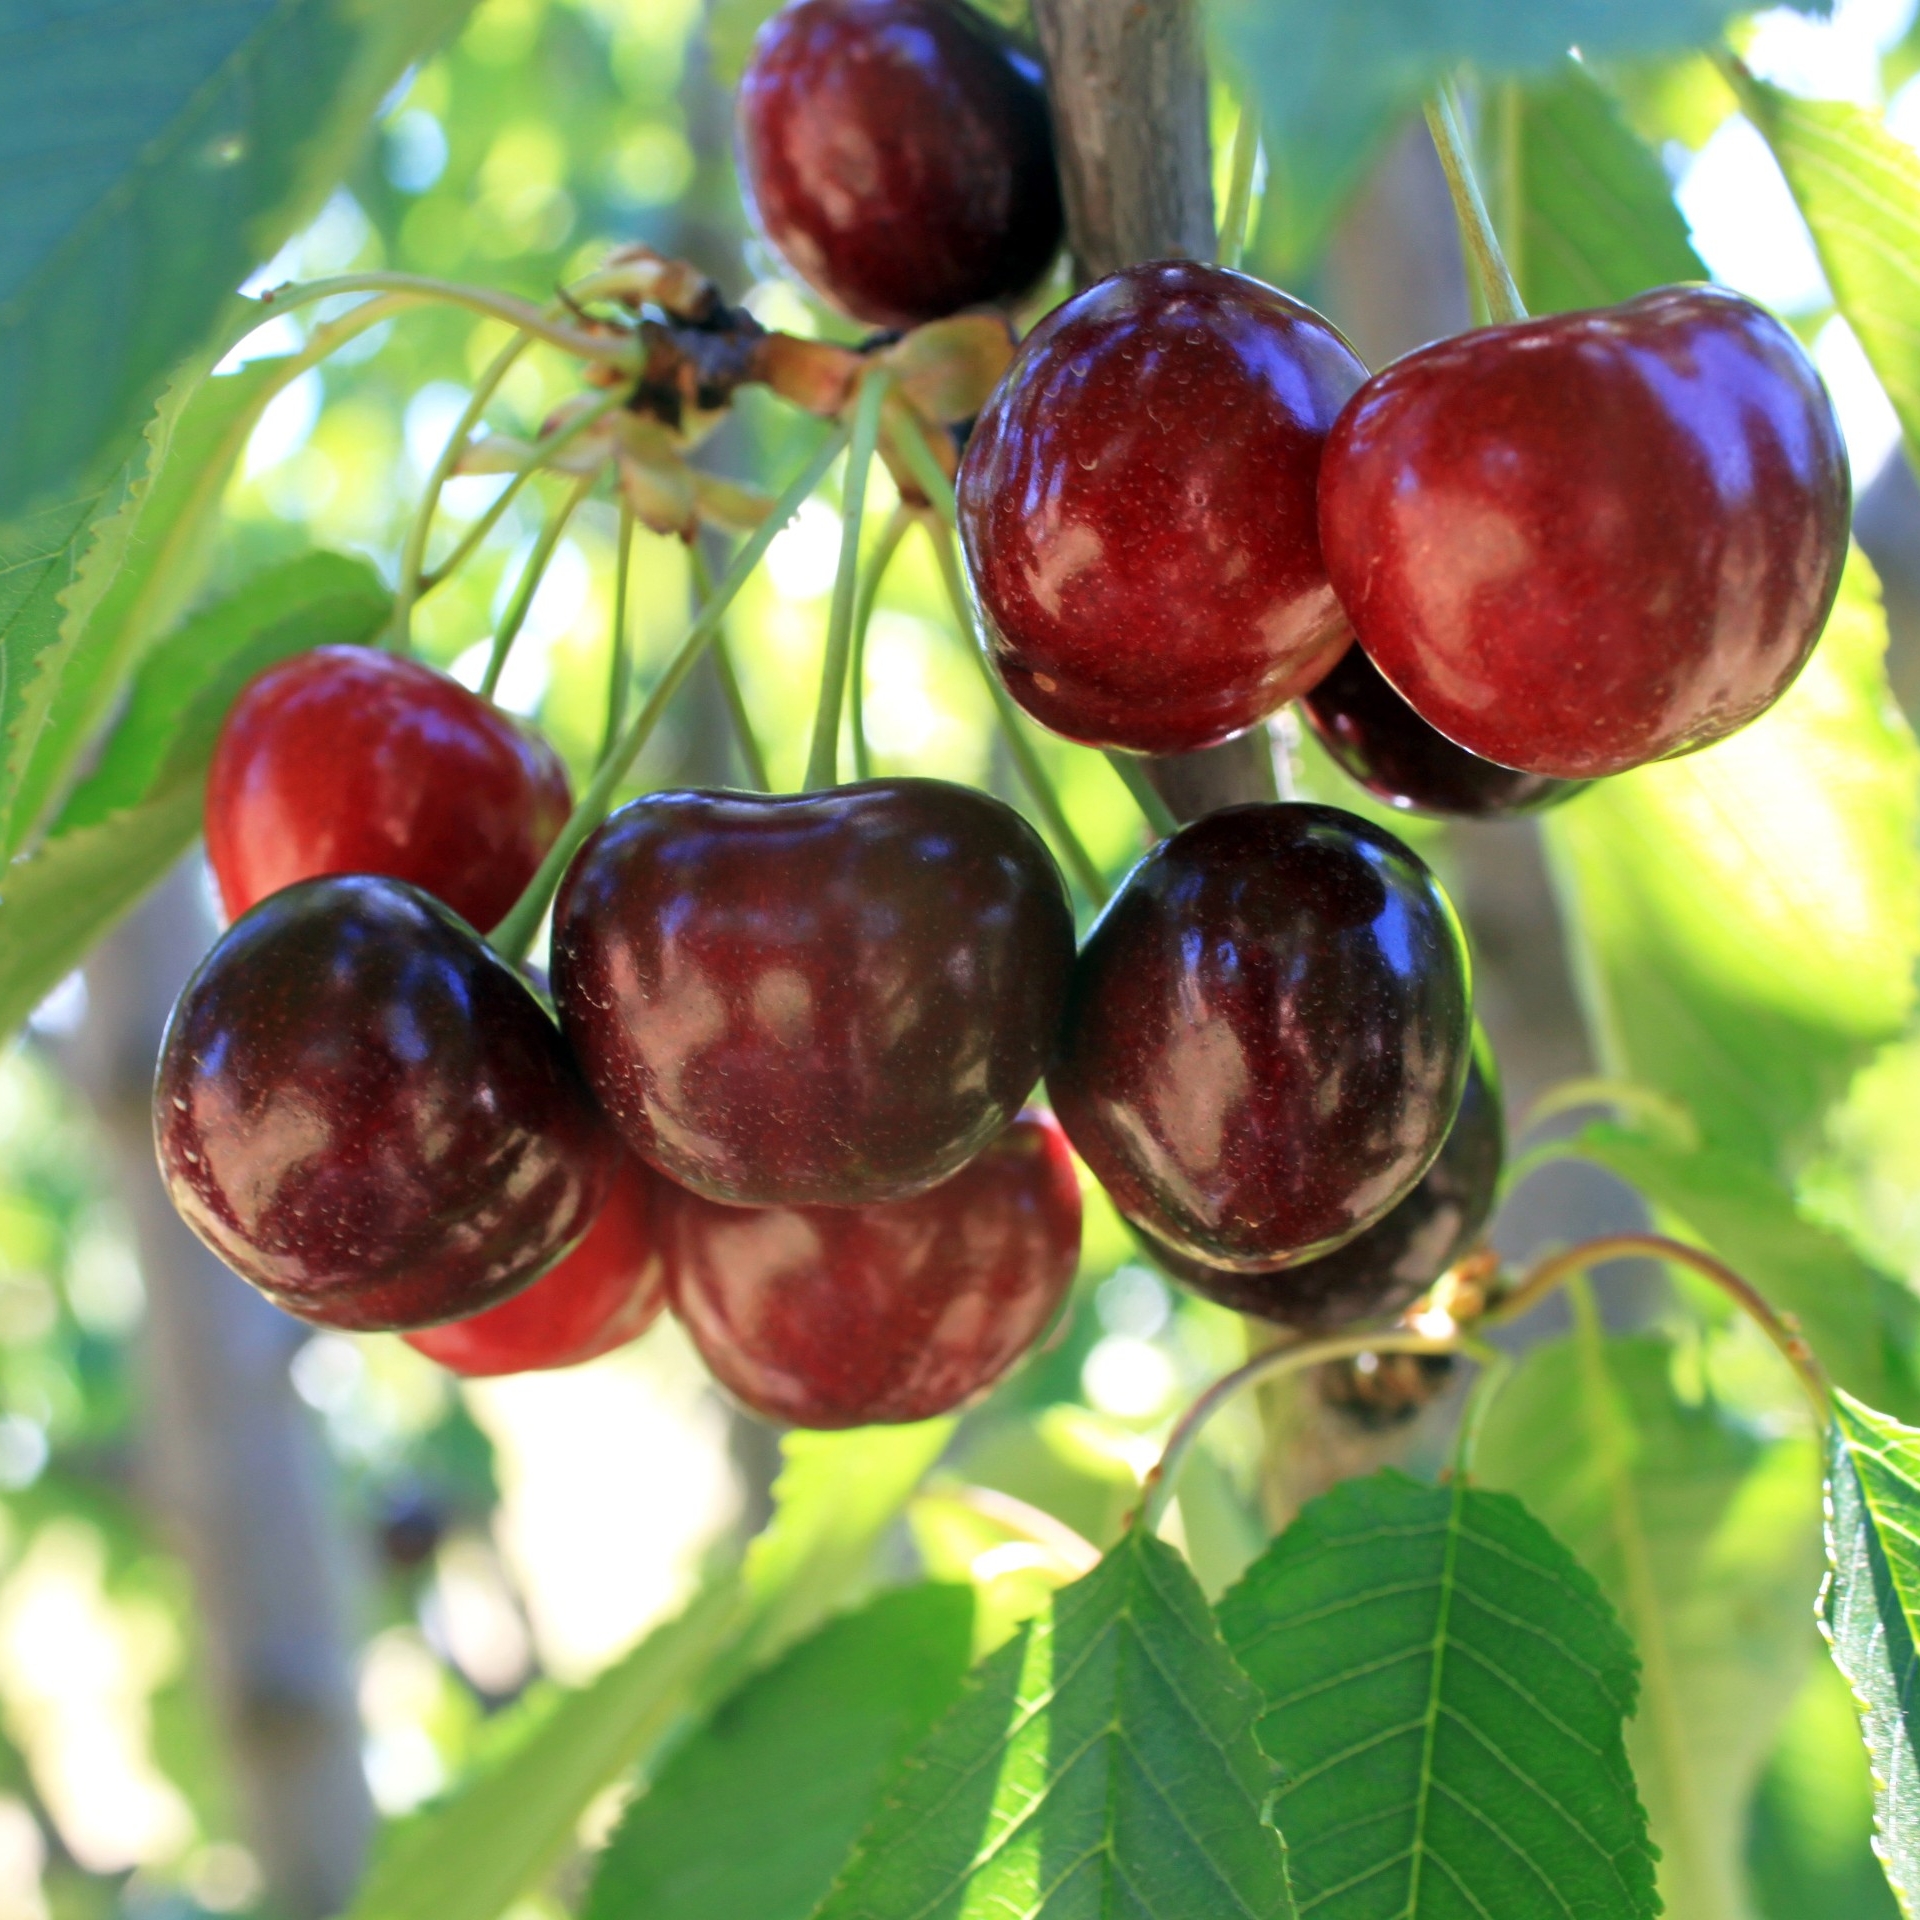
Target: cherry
point(820, 999)
point(347, 760)
point(1137, 508)
point(1267, 1034)
point(898, 154)
point(847, 1316)
point(607, 1291)
point(366, 1113)
point(1580, 543)
point(1377, 738)
point(1397, 1258)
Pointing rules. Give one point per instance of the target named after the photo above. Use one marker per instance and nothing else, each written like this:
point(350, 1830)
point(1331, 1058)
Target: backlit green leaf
point(1445, 1694)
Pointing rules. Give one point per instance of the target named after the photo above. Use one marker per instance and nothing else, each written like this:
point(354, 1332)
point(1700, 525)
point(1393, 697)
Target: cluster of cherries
point(781, 1085)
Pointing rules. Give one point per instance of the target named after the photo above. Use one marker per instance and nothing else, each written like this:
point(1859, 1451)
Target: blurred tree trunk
point(234, 1463)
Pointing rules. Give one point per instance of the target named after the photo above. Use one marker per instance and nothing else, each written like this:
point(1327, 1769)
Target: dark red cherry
point(347, 760)
point(1373, 735)
point(818, 999)
point(899, 155)
point(847, 1316)
point(607, 1291)
point(1580, 543)
point(1137, 508)
point(1396, 1259)
point(365, 1112)
point(1267, 1034)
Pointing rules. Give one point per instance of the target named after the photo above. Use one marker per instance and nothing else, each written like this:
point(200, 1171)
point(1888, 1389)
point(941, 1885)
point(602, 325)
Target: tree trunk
point(237, 1470)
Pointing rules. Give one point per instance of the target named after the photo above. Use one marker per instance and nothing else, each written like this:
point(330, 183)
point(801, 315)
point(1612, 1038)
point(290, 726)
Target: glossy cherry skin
point(1396, 1259)
point(365, 1112)
point(848, 1316)
point(1581, 543)
point(819, 999)
point(1267, 1034)
point(1377, 739)
point(347, 760)
point(607, 1291)
point(898, 154)
point(1137, 508)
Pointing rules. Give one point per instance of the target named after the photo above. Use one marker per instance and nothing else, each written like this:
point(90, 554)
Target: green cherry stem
point(1146, 796)
point(1246, 154)
point(823, 760)
point(911, 440)
point(528, 584)
point(620, 660)
point(876, 571)
point(744, 736)
point(1486, 264)
point(1026, 756)
point(514, 935)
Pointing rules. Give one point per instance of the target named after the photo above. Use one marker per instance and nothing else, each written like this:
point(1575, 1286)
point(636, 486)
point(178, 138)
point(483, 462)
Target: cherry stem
point(743, 734)
point(528, 584)
point(1558, 1268)
point(1146, 796)
point(543, 451)
point(1479, 244)
point(876, 571)
point(1246, 155)
point(514, 935)
point(620, 662)
point(1275, 1363)
point(413, 557)
point(823, 760)
point(1026, 757)
point(620, 351)
point(911, 440)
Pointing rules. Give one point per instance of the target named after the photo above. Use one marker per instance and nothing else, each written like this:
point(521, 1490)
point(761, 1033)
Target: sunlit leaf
point(1101, 1762)
point(1445, 1695)
point(1705, 1536)
point(756, 1812)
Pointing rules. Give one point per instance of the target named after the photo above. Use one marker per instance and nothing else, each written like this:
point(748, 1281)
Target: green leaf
point(59, 900)
point(1598, 222)
point(1445, 1694)
point(1746, 920)
point(1869, 1612)
point(756, 1812)
point(1332, 80)
point(183, 691)
point(1704, 1536)
point(156, 156)
point(1101, 1762)
point(140, 570)
point(471, 1855)
point(1858, 186)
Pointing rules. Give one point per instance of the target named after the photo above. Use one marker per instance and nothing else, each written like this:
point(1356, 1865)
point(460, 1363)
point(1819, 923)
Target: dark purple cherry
point(898, 154)
point(1374, 736)
point(365, 1112)
point(1137, 505)
point(1396, 1259)
point(1580, 543)
point(1267, 1034)
point(847, 1316)
point(820, 999)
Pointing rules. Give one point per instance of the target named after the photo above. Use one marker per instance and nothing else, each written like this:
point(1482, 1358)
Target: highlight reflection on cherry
point(846, 1316)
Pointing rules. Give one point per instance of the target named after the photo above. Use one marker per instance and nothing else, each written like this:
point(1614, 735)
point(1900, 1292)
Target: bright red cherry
point(899, 155)
point(1396, 1259)
point(820, 999)
point(847, 1316)
point(348, 760)
point(1267, 1034)
point(1373, 735)
point(607, 1291)
point(1137, 507)
point(1580, 543)
point(365, 1112)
